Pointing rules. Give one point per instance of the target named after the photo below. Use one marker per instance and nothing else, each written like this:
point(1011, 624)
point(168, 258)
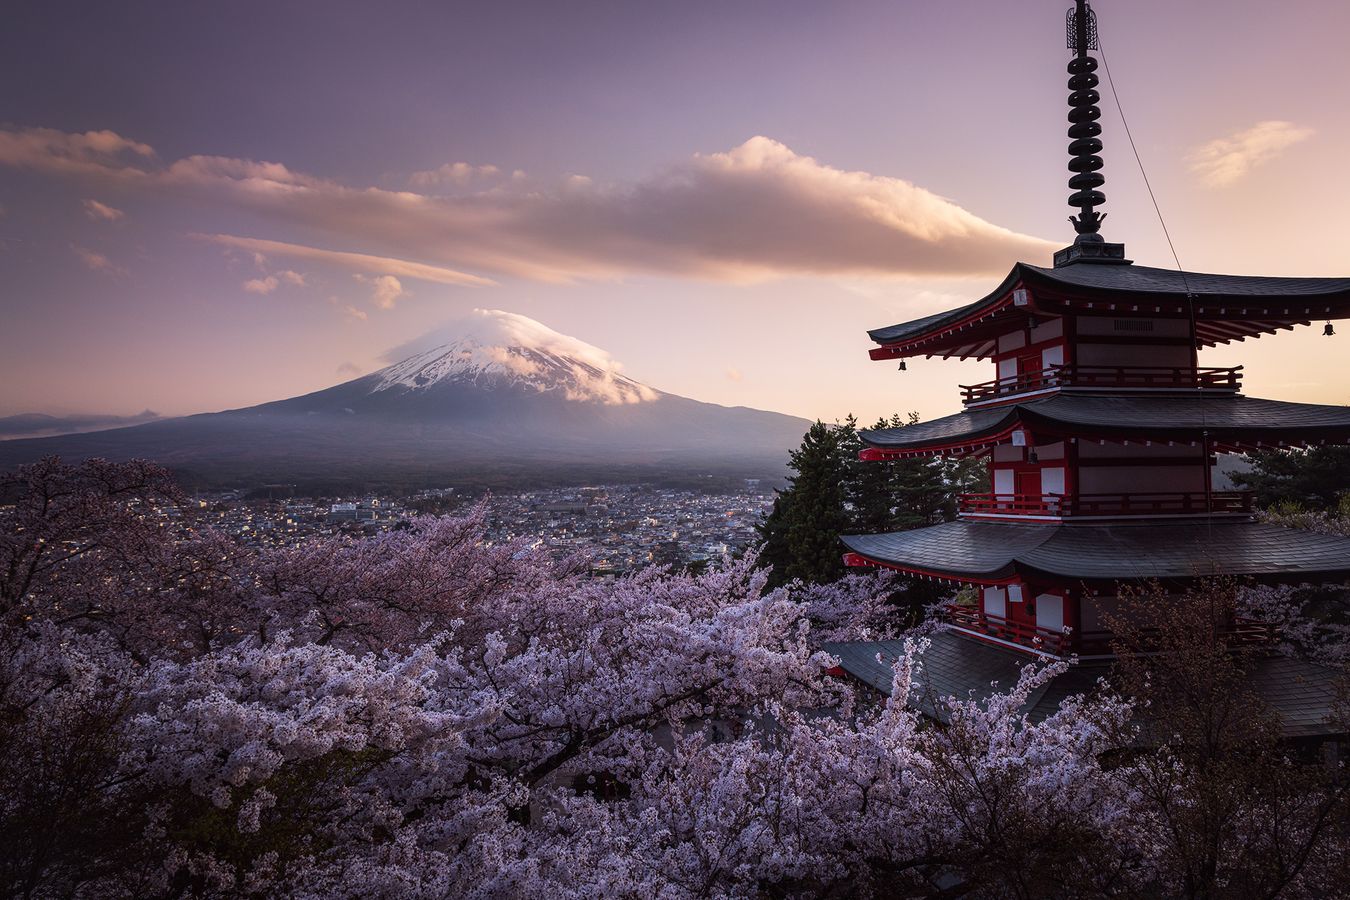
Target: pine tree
point(870, 489)
point(801, 533)
point(1313, 479)
point(834, 493)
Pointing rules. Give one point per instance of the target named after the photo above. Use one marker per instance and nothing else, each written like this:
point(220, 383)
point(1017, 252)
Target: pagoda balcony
point(1057, 506)
point(977, 622)
point(973, 621)
point(1129, 378)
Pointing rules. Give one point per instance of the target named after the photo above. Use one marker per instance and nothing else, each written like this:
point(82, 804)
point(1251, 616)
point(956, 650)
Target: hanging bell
point(1328, 331)
point(903, 367)
point(1032, 457)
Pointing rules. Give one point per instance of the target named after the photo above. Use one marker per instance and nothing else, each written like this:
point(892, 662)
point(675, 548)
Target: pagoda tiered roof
point(992, 553)
point(1228, 421)
point(1301, 693)
point(1226, 307)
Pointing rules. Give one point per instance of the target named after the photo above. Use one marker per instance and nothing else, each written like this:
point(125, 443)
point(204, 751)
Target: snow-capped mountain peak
point(493, 349)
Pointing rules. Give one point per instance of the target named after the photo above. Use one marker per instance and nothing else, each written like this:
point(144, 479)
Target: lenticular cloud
point(492, 344)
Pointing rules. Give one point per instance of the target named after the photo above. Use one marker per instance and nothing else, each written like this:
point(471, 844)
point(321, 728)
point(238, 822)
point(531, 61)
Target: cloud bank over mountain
point(495, 344)
point(757, 211)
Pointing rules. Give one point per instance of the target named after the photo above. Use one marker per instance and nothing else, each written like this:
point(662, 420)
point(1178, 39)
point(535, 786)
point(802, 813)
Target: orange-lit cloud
point(459, 174)
point(361, 262)
point(271, 282)
point(385, 289)
point(98, 261)
point(103, 153)
point(102, 212)
point(754, 212)
point(1223, 161)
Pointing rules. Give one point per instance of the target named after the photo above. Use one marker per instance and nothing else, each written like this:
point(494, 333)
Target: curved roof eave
point(970, 425)
point(1148, 280)
point(1224, 419)
point(906, 330)
point(1132, 280)
point(1121, 551)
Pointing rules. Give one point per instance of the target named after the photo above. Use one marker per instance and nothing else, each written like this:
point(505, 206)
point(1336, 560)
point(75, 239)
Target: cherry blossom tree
point(424, 713)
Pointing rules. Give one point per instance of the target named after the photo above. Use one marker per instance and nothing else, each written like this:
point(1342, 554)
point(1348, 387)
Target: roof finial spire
point(1085, 144)
point(1084, 130)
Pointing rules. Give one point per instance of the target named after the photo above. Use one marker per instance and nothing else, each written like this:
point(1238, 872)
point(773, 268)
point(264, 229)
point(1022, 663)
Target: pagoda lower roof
point(1228, 420)
point(1263, 303)
point(1303, 694)
point(996, 552)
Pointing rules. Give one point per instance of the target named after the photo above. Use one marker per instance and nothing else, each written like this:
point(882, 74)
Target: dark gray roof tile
point(1110, 552)
point(1147, 280)
point(1132, 280)
point(1226, 418)
point(956, 665)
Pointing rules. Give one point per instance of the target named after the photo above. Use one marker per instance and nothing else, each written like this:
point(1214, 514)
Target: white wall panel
point(1050, 612)
point(995, 602)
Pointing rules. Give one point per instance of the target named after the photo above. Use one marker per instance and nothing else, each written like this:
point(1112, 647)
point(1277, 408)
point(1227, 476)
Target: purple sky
point(210, 206)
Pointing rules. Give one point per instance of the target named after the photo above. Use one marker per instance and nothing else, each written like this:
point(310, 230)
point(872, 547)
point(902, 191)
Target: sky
point(208, 206)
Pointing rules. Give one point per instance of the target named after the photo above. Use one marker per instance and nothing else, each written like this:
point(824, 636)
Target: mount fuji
point(500, 399)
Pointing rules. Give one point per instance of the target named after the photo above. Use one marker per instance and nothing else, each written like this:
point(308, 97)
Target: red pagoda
point(1102, 433)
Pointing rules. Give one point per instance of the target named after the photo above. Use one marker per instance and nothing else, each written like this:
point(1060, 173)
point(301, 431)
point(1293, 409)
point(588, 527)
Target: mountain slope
point(506, 400)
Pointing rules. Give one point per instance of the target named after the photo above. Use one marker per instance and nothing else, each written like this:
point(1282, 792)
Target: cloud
point(355, 313)
point(1223, 161)
point(734, 374)
point(41, 425)
point(500, 340)
point(101, 212)
point(270, 283)
point(104, 153)
point(386, 289)
point(458, 174)
point(98, 262)
point(757, 211)
point(361, 262)
point(348, 370)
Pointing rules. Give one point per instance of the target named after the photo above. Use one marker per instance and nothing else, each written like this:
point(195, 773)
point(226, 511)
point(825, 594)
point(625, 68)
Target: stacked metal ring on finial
point(1084, 130)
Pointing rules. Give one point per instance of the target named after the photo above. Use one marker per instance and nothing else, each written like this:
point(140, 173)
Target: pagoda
point(1102, 433)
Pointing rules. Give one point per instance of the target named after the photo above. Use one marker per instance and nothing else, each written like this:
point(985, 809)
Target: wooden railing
point(1177, 378)
point(1144, 504)
point(1244, 632)
point(972, 619)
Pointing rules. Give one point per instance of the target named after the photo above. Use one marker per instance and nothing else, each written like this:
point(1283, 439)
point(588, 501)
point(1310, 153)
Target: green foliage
point(802, 530)
point(1317, 479)
point(834, 492)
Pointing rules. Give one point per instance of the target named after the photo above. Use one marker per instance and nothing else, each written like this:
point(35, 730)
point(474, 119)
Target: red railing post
point(1073, 375)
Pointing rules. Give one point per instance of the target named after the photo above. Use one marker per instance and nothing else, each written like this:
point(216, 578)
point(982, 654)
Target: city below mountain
point(506, 401)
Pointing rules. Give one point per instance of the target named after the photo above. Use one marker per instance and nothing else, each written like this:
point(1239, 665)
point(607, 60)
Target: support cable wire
point(1185, 283)
point(1147, 184)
